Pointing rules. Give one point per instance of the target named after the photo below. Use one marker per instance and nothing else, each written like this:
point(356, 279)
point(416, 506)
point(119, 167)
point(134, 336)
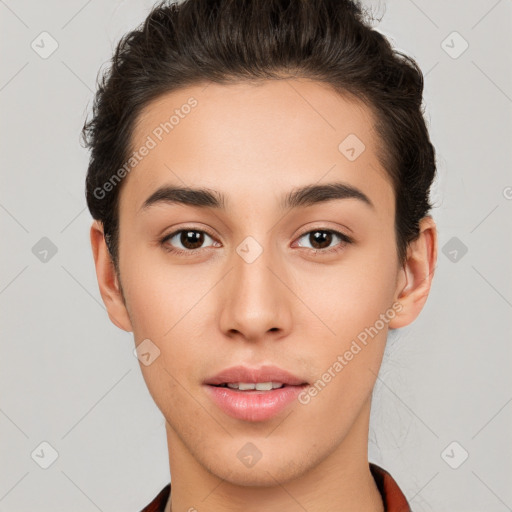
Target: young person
point(259, 182)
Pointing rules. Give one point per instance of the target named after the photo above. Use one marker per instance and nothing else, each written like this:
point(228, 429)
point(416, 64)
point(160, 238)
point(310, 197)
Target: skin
point(255, 143)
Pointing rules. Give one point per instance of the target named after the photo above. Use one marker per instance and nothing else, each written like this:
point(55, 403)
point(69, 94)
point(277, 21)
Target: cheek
point(169, 305)
point(159, 294)
point(355, 302)
point(352, 296)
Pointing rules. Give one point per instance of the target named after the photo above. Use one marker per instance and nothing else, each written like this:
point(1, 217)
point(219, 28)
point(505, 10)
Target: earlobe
point(415, 281)
point(107, 279)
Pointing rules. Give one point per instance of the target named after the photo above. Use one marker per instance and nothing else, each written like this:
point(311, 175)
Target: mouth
point(250, 386)
point(254, 395)
point(246, 378)
point(256, 404)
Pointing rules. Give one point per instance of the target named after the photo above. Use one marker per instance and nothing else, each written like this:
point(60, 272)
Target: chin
point(265, 473)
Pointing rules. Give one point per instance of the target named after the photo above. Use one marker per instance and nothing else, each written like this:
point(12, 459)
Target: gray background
point(69, 377)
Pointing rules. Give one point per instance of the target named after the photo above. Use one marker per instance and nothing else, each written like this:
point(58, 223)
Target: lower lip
point(254, 405)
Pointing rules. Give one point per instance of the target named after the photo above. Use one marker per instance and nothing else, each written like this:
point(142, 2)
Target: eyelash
point(346, 240)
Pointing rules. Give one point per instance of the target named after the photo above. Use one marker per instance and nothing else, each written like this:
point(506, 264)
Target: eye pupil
point(321, 236)
point(196, 238)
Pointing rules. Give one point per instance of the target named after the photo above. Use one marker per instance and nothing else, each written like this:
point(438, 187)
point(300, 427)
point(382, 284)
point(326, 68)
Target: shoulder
point(392, 496)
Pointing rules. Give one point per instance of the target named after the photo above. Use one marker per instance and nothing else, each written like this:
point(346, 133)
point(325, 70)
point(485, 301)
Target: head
point(252, 103)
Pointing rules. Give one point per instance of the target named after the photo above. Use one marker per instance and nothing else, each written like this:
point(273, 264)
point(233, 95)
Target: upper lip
point(246, 374)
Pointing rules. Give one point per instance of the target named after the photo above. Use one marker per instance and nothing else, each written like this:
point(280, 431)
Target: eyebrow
point(301, 197)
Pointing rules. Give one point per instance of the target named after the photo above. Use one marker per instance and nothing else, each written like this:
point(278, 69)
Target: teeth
point(260, 386)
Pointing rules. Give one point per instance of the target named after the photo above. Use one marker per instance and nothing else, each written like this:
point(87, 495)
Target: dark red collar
point(393, 498)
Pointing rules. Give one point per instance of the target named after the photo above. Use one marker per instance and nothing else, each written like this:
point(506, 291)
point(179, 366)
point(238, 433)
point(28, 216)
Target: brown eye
point(194, 238)
point(321, 240)
point(190, 240)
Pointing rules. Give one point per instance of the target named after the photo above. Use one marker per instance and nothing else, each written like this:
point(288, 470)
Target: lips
point(244, 374)
point(254, 405)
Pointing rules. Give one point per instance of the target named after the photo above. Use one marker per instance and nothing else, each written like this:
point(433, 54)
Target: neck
point(341, 482)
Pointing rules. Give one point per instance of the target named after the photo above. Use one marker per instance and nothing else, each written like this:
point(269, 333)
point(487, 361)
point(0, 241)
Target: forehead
point(246, 137)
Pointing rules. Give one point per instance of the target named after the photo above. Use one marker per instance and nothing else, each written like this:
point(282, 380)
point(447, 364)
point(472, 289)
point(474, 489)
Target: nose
point(255, 298)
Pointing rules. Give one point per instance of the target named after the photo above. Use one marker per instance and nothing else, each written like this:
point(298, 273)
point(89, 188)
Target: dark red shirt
point(392, 497)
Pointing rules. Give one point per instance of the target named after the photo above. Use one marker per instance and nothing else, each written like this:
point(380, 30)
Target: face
point(305, 282)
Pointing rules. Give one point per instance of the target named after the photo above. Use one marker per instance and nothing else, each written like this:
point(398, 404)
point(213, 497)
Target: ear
point(415, 278)
point(107, 279)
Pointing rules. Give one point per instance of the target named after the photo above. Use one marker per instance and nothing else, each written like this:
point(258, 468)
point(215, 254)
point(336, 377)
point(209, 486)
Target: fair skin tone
point(210, 309)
